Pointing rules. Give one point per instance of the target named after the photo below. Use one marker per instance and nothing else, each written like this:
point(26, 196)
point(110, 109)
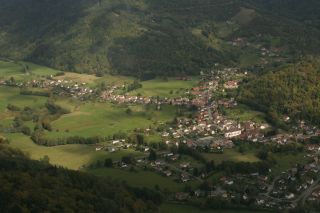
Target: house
point(167, 173)
point(231, 85)
point(184, 165)
point(99, 148)
point(115, 142)
point(112, 149)
point(199, 193)
point(231, 133)
point(204, 142)
point(185, 178)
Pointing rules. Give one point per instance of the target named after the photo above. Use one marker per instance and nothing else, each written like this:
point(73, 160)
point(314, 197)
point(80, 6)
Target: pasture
point(231, 155)
point(105, 119)
point(287, 161)
point(139, 178)
point(10, 95)
point(70, 156)
point(244, 113)
point(165, 88)
point(21, 70)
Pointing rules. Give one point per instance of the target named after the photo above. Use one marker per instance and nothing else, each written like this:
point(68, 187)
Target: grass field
point(231, 155)
point(162, 88)
point(17, 70)
point(10, 95)
point(176, 208)
point(71, 156)
point(244, 113)
point(140, 178)
point(104, 119)
point(287, 161)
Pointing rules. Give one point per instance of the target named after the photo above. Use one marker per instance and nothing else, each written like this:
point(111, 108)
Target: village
point(208, 130)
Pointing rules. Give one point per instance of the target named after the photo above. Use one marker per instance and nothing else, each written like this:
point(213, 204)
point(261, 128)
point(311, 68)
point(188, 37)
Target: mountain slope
point(33, 186)
point(293, 91)
point(144, 38)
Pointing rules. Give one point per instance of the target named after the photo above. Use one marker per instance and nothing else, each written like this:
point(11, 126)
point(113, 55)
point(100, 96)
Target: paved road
point(303, 197)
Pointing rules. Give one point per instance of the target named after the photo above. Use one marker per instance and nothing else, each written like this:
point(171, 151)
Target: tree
point(140, 139)
point(152, 155)
point(26, 130)
point(262, 154)
point(127, 159)
point(108, 163)
point(129, 111)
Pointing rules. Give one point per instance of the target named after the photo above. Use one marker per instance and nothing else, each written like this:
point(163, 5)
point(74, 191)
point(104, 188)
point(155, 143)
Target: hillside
point(293, 91)
point(144, 38)
point(33, 186)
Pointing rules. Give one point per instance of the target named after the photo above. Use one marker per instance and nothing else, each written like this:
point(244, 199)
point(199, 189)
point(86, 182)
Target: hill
point(33, 186)
point(145, 38)
point(292, 90)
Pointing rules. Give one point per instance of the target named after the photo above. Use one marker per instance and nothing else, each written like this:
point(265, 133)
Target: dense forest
point(34, 186)
point(293, 90)
point(148, 38)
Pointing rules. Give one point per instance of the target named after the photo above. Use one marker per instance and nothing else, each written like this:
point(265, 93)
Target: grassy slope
point(16, 69)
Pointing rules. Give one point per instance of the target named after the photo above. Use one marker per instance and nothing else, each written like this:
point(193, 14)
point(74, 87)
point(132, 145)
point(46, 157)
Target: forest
point(148, 38)
point(36, 186)
point(292, 90)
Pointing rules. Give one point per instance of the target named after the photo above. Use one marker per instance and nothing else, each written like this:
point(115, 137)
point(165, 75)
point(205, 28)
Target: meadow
point(139, 178)
point(11, 95)
point(73, 156)
point(105, 119)
point(244, 113)
point(231, 155)
point(165, 88)
point(21, 70)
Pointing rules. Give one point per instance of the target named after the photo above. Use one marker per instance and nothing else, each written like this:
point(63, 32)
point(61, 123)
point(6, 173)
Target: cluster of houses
point(289, 188)
point(133, 99)
point(59, 87)
point(243, 42)
point(315, 196)
point(283, 193)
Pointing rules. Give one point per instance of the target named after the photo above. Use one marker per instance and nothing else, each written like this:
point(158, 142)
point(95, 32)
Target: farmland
point(21, 70)
point(165, 88)
point(73, 156)
point(90, 119)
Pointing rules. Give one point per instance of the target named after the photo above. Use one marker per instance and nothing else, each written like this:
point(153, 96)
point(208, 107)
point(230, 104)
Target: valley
point(178, 135)
point(160, 106)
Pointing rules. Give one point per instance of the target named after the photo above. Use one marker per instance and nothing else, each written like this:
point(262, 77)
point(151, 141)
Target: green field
point(231, 155)
point(71, 156)
point(244, 113)
point(17, 70)
point(165, 88)
point(287, 161)
point(10, 95)
point(140, 178)
point(104, 119)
